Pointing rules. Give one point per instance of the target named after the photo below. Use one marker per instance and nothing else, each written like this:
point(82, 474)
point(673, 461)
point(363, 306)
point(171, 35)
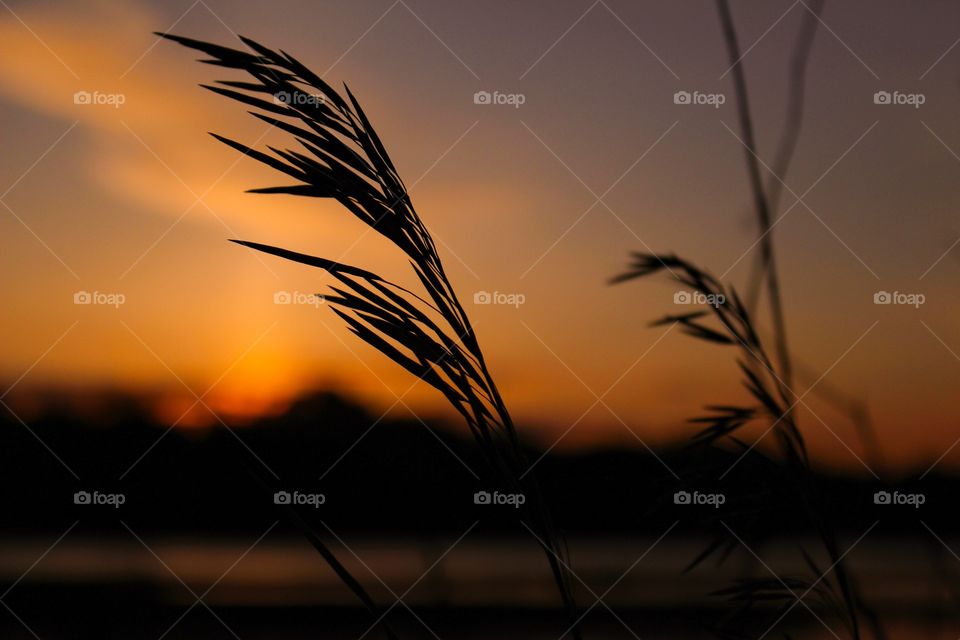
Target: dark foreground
point(279, 588)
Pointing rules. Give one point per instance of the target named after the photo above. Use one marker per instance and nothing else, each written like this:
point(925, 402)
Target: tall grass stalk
point(733, 326)
point(765, 264)
point(769, 382)
point(340, 156)
point(793, 123)
point(760, 200)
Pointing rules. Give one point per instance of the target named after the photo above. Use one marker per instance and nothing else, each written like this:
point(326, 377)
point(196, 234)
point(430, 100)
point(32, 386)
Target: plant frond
point(338, 154)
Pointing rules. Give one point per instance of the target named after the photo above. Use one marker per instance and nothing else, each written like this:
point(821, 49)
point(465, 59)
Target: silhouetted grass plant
point(429, 334)
point(731, 325)
point(769, 383)
point(764, 268)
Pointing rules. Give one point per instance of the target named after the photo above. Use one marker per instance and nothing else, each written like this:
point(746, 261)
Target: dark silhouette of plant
point(793, 122)
point(724, 421)
point(763, 269)
point(343, 158)
point(761, 201)
point(773, 402)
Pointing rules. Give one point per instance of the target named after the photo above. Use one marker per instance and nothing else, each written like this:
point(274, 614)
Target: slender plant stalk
point(856, 411)
point(760, 200)
point(340, 156)
point(770, 385)
point(327, 554)
point(797, 87)
point(793, 123)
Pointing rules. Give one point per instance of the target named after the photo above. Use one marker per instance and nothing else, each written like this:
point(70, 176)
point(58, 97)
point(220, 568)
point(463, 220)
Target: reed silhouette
point(769, 381)
point(773, 403)
point(428, 334)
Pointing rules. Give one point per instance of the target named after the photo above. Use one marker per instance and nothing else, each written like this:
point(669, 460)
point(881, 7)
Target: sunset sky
point(545, 199)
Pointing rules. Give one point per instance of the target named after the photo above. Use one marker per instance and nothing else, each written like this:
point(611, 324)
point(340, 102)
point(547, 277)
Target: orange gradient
point(138, 200)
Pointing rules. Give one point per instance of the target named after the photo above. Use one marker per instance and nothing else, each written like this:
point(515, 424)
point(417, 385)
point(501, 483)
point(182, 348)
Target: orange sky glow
point(544, 200)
